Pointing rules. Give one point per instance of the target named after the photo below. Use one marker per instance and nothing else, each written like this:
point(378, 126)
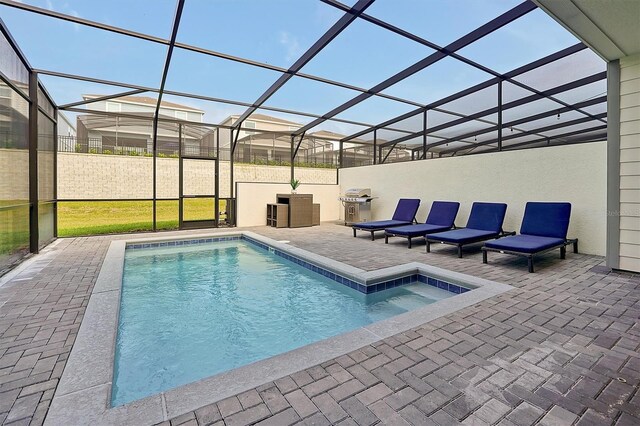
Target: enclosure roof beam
point(538, 130)
point(102, 98)
point(480, 86)
point(185, 46)
point(535, 132)
point(597, 136)
point(358, 11)
point(492, 144)
point(167, 63)
point(295, 152)
point(524, 120)
point(593, 138)
point(245, 61)
point(307, 56)
point(82, 21)
point(164, 119)
point(193, 96)
point(413, 37)
point(518, 102)
point(491, 26)
point(197, 49)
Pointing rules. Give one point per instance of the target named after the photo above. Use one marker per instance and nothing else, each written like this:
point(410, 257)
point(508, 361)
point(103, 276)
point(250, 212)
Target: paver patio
point(560, 348)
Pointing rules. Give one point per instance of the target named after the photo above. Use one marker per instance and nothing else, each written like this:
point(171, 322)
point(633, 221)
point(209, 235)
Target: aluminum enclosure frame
point(381, 149)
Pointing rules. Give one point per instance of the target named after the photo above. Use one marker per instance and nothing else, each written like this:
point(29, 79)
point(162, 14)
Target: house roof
point(326, 134)
point(146, 100)
point(264, 117)
point(64, 117)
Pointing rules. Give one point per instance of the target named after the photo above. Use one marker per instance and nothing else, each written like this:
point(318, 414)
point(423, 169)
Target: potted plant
point(295, 183)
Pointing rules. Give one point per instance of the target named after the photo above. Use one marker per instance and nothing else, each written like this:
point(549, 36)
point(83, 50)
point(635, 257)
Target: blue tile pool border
point(138, 246)
point(361, 287)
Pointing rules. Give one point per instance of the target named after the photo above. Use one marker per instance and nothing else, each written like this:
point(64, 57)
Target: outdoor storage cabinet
point(300, 209)
point(278, 215)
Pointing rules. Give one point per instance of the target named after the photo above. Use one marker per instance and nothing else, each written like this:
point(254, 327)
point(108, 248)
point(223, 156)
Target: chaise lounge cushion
point(405, 213)
point(463, 236)
point(525, 243)
point(443, 213)
point(485, 222)
point(406, 209)
point(418, 230)
point(380, 224)
point(546, 219)
point(487, 216)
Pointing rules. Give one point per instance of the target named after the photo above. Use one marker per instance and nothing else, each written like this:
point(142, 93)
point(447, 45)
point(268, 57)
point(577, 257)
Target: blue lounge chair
point(544, 228)
point(405, 214)
point(441, 218)
point(485, 223)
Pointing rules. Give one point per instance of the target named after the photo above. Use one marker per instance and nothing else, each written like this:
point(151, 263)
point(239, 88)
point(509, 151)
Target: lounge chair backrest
point(443, 213)
point(546, 219)
point(487, 216)
point(406, 209)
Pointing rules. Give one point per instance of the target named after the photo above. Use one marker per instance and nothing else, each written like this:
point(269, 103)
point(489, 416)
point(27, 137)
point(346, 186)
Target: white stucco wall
point(573, 173)
point(252, 200)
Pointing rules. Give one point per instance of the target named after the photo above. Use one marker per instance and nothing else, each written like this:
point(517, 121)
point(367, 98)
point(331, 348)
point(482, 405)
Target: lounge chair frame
point(529, 256)
point(373, 231)
point(459, 245)
point(391, 234)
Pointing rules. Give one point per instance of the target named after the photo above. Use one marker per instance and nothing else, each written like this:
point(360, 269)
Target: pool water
point(190, 312)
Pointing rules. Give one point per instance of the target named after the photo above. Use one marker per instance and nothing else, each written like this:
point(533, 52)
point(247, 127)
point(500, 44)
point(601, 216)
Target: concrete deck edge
point(84, 392)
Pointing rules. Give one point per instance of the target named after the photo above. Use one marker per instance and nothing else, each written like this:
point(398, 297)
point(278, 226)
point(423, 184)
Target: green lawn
point(110, 217)
point(14, 228)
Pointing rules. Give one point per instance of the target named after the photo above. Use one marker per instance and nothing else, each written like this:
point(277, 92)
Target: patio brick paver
point(561, 348)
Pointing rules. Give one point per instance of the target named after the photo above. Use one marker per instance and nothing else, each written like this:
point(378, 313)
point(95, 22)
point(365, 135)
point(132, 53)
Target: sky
point(277, 32)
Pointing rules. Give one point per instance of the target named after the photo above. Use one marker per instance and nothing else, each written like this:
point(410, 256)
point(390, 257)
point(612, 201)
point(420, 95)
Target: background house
point(65, 125)
point(262, 139)
point(270, 143)
point(14, 119)
point(108, 134)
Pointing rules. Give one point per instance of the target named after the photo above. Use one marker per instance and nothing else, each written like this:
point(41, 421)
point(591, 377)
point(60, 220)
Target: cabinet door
point(282, 216)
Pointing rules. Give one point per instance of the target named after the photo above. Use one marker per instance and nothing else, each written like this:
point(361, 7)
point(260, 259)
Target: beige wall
point(45, 175)
point(252, 200)
point(92, 176)
point(14, 174)
point(82, 176)
point(630, 163)
point(573, 173)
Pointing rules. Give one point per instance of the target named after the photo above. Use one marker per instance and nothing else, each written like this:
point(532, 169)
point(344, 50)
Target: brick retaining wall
point(93, 176)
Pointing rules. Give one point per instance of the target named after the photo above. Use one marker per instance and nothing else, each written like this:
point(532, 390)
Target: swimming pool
point(190, 311)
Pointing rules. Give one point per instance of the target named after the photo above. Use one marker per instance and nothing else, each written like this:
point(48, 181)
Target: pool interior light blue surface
point(191, 309)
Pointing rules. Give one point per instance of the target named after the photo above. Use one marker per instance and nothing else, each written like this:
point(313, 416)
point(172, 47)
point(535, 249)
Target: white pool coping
point(84, 393)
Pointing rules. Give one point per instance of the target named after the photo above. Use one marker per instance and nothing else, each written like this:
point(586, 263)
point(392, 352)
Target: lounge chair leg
point(484, 256)
point(409, 242)
point(386, 239)
point(428, 247)
point(459, 251)
point(563, 252)
point(373, 237)
point(354, 232)
point(530, 259)
point(575, 246)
